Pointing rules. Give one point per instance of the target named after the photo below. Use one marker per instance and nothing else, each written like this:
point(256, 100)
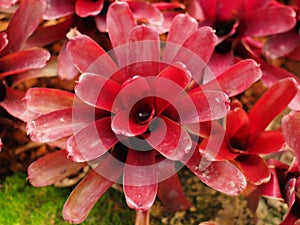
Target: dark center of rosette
point(2, 91)
point(223, 27)
point(143, 111)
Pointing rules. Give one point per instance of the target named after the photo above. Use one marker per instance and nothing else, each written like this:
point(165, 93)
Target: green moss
point(22, 204)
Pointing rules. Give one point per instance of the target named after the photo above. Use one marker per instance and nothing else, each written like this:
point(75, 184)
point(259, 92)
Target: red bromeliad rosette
point(137, 111)
point(150, 103)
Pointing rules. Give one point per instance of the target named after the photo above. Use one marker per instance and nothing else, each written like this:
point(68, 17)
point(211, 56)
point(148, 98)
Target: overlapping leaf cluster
point(149, 71)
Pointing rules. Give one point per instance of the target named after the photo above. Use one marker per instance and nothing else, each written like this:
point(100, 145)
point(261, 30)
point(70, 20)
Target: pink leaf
point(133, 91)
point(220, 175)
point(23, 23)
point(45, 100)
point(51, 126)
point(83, 51)
point(265, 21)
point(182, 27)
point(266, 142)
point(202, 106)
point(215, 147)
point(237, 78)
point(143, 52)
point(65, 67)
point(123, 124)
point(92, 141)
point(140, 179)
point(281, 44)
point(46, 35)
point(237, 124)
point(169, 138)
point(88, 8)
point(7, 3)
point(272, 103)
point(202, 43)
point(169, 84)
point(3, 40)
point(50, 70)
point(170, 191)
point(291, 131)
point(146, 10)
point(52, 168)
point(120, 22)
point(218, 64)
point(250, 165)
point(56, 9)
point(98, 91)
point(14, 105)
point(85, 195)
point(18, 62)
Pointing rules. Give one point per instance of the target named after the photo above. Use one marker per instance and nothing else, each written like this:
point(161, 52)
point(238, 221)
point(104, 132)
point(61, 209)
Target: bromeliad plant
point(135, 113)
point(15, 58)
point(157, 101)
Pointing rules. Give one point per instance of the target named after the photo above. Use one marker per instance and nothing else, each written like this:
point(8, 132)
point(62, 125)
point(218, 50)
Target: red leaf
point(92, 141)
point(52, 168)
point(272, 103)
point(45, 100)
point(140, 179)
point(88, 8)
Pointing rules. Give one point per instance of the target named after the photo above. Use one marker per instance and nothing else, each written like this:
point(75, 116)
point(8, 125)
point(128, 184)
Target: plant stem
point(142, 217)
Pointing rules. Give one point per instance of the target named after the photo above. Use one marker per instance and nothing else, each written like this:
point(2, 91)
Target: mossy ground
point(22, 204)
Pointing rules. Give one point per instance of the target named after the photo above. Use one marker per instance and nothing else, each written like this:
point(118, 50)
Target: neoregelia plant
point(135, 113)
point(153, 95)
point(16, 58)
